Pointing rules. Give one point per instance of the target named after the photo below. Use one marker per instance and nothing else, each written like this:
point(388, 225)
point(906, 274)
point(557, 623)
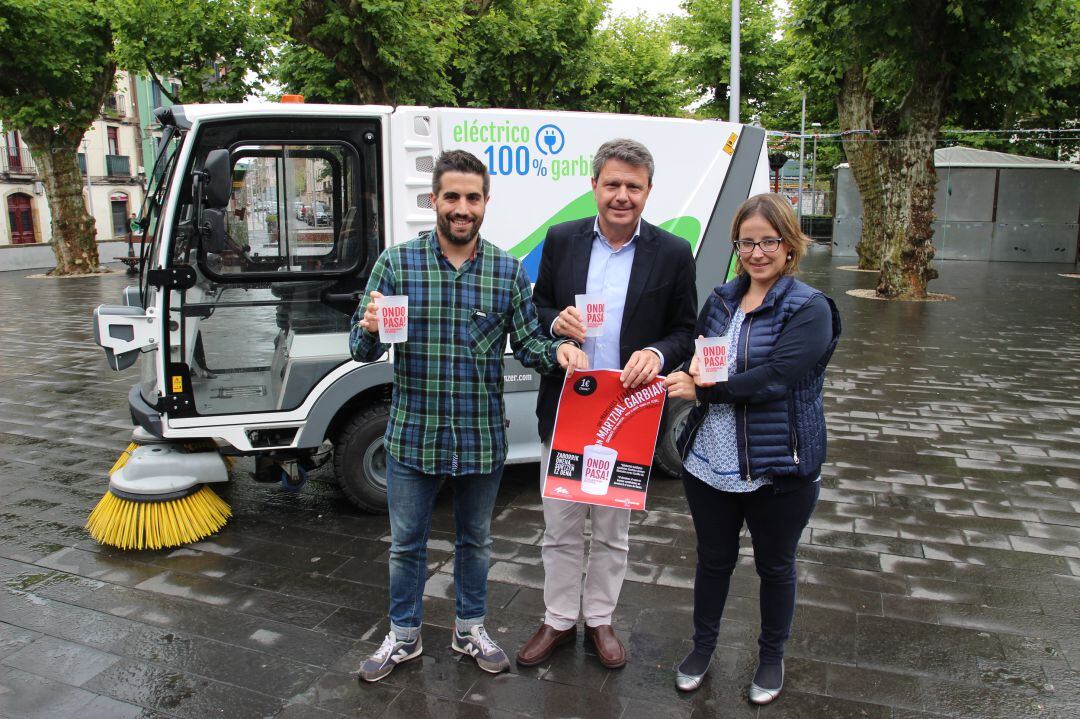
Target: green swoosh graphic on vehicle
point(576, 209)
point(686, 227)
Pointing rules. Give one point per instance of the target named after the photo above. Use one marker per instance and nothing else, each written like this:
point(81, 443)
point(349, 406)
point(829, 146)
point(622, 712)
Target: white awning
point(960, 156)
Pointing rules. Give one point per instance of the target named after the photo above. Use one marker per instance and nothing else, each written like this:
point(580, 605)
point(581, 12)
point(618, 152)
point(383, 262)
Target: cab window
point(295, 210)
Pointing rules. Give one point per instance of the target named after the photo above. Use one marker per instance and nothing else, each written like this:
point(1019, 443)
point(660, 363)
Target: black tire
point(360, 458)
point(667, 455)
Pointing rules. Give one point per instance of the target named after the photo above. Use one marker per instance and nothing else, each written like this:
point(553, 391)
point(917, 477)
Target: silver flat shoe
point(760, 695)
point(688, 682)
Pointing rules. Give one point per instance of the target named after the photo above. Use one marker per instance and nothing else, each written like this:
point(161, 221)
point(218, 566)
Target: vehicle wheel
point(360, 459)
point(667, 455)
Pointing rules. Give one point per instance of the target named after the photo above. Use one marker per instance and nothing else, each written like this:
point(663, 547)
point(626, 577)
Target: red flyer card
point(602, 447)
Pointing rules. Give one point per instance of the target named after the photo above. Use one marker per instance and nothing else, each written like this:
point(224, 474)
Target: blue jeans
point(776, 521)
point(410, 495)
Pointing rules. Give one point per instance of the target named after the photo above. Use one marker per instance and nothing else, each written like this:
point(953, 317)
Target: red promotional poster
point(602, 447)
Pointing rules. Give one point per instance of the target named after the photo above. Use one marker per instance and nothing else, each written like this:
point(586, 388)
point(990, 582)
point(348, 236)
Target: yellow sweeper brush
point(158, 497)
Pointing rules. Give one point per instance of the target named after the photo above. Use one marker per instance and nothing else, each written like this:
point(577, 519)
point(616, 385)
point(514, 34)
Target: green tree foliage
point(550, 54)
point(56, 69)
point(303, 70)
point(899, 68)
point(1042, 90)
point(529, 53)
point(705, 35)
point(392, 51)
point(637, 71)
point(217, 49)
point(784, 111)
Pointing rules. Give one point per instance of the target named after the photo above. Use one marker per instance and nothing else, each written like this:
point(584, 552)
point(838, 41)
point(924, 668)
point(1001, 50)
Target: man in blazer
point(647, 278)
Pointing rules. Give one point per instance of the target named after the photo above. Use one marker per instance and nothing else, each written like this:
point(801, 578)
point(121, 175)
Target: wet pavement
point(940, 574)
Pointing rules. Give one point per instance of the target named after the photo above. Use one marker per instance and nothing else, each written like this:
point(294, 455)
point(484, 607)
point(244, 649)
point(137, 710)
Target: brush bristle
point(129, 524)
point(123, 458)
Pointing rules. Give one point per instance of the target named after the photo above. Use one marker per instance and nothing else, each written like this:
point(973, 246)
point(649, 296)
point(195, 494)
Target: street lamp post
point(802, 146)
point(813, 168)
point(733, 81)
point(89, 191)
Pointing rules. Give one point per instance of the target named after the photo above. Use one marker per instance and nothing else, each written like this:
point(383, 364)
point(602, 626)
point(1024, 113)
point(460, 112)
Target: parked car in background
point(317, 215)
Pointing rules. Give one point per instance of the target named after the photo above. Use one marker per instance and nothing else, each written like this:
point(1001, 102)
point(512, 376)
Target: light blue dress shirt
point(609, 276)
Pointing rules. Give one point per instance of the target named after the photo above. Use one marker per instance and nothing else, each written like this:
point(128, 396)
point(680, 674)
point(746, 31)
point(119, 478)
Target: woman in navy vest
point(754, 445)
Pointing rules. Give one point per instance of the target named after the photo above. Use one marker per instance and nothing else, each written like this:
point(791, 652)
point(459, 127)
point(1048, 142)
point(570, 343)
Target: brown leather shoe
point(609, 649)
point(540, 646)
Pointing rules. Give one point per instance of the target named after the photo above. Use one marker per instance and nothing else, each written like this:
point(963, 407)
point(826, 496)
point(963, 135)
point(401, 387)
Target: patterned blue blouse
point(714, 456)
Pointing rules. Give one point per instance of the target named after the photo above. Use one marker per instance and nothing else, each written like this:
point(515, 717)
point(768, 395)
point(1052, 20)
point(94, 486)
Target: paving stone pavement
point(939, 576)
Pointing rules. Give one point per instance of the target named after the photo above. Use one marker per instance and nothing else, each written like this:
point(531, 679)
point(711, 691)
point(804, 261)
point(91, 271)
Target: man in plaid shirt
point(447, 413)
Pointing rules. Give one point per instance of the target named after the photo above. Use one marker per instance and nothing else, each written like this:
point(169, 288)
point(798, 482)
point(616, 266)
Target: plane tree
point(899, 69)
point(216, 50)
point(638, 71)
point(391, 52)
point(539, 54)
point(56, 69)
point(704, 34)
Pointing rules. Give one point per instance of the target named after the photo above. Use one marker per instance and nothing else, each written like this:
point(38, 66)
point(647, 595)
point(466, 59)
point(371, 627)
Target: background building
point(109, 161)
point(114, 156)
point(26, 212)
point(148, 97)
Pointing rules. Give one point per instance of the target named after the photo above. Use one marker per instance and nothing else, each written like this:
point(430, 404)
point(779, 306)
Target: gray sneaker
point(478, 645)
point(390, 653)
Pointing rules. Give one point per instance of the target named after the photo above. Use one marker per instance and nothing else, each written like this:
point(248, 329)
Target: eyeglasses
point(769, 244)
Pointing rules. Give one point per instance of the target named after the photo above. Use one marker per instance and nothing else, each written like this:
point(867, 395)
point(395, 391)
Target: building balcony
point(115, 165)
point(114, 106)
point(118, 166)
point(16, 162)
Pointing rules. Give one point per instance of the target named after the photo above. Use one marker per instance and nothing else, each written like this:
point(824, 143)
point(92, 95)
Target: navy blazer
point(661, 299)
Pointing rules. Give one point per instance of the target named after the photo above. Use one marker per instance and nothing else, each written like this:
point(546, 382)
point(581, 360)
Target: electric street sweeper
point(262, 223)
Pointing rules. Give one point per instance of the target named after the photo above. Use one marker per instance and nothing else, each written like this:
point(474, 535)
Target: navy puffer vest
point(782, 438)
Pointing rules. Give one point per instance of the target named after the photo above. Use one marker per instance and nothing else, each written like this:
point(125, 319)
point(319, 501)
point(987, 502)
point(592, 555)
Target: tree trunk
point(855, 108)
point(896, 178)
point(909, 250)
point(909, 214)
point(74, 237)
point(899, 202)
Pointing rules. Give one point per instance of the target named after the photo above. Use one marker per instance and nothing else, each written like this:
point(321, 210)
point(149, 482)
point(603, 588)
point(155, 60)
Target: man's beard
point(445, 229)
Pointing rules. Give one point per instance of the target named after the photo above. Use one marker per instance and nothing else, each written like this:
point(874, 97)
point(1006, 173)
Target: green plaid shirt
point(447, 415)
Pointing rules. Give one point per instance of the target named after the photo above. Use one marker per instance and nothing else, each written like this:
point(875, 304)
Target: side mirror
point(218, 186)
point(212, 230)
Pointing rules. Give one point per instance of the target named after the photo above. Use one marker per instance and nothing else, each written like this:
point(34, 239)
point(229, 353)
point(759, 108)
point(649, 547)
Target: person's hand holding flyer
point(602, 446)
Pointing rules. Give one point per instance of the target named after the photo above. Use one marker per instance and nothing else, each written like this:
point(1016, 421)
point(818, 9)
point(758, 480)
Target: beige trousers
point(566, 596)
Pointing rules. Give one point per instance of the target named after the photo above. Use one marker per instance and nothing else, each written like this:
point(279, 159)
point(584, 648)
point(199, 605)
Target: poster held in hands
point(602, 446)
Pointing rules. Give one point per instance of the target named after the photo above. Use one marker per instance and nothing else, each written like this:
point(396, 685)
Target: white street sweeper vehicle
point(262, 223)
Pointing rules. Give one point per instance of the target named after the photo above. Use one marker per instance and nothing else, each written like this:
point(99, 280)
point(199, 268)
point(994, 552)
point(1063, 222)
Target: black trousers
point(776, 521)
